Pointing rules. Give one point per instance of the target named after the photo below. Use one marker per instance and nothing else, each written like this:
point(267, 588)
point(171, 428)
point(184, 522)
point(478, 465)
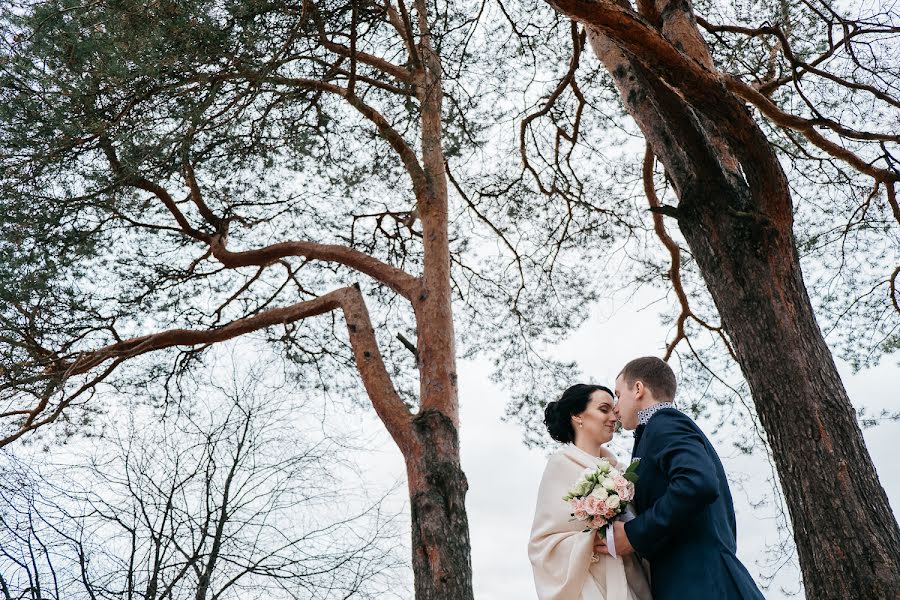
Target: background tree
point(236, 499)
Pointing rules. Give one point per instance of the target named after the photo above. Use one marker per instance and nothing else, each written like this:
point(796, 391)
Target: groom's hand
point(623, 546)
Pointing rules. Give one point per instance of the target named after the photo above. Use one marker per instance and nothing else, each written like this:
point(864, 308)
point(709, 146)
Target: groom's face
point(626, 403)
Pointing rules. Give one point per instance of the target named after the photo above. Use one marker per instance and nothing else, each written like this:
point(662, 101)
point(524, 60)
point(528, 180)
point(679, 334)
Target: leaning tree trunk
point(846, 534)
point(735, 212)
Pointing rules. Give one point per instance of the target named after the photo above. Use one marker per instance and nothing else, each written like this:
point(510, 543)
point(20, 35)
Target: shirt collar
point(645, 414)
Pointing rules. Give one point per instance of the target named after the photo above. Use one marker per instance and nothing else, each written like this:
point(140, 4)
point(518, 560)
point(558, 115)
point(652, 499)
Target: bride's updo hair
point(558, 414)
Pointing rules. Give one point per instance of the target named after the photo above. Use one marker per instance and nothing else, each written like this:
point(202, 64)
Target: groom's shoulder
point(669, 419)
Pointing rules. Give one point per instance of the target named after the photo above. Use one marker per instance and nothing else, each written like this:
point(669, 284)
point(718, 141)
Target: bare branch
point(385, 66)
point(385, 399)
point(567, 80)
point(195, 194)
point(188, 337)
point(893, 287)
point(140, 182)
point(393, 137)
point(807, 128)
point(402, 23)
point(798, 66)
point(771, 110)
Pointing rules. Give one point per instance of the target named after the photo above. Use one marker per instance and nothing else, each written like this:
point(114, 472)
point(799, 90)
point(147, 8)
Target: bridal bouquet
point(601, 494)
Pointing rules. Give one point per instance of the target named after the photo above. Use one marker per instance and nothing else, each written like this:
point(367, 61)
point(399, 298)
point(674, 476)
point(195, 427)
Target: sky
point(503, 474)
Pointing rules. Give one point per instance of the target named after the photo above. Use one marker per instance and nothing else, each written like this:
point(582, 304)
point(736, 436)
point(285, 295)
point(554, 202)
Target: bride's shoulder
point(559, 457)
point(570, 454)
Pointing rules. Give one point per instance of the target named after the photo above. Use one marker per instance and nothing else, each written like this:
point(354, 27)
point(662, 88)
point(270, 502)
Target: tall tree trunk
point(846, 534)
point(429, 442)
point(437, 484)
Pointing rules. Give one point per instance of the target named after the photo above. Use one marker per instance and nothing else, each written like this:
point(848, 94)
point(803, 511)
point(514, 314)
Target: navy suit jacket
point(685, 526)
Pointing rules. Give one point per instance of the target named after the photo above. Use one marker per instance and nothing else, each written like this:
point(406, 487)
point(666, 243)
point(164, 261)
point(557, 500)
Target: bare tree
point(239, 499)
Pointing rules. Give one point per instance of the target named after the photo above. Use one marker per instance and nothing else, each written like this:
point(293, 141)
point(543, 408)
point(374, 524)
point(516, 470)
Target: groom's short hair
point(654, 373)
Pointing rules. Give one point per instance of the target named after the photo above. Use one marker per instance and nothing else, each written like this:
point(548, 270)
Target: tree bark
point(846, 534)
point(440, 527)
point(437, 484)
point(429, 442)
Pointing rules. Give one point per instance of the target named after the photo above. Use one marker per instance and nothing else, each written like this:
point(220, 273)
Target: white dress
point(560, 551)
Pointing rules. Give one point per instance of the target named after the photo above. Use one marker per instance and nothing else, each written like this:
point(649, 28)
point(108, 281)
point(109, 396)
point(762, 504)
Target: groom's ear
point(639, 390)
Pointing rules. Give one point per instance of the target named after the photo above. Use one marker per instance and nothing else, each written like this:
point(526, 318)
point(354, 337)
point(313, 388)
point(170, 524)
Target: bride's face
point(598, 421)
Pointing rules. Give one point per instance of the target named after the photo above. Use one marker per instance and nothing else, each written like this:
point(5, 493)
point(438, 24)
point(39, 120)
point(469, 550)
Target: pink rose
point(599, 522)
point(625, 491)
point(601, 509)
point(611, 512)
point(578, 511)
point(588, 505)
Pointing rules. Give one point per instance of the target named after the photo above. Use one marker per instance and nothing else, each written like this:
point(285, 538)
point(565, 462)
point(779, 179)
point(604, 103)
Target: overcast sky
point(503, 475)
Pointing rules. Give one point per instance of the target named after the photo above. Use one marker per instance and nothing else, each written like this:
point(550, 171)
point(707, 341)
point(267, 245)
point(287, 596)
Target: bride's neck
point(590, 447)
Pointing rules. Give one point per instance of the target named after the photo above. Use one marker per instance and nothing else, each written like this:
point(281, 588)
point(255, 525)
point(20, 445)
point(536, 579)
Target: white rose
point(604, 465)
point(588, 473)
point(600, 493)
point(608, 483)
point(612, 501)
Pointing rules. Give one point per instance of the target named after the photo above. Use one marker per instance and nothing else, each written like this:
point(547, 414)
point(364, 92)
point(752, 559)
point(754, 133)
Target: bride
point(562, 555)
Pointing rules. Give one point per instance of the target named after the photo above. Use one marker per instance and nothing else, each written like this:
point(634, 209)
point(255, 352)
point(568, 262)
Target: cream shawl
point(560, 551)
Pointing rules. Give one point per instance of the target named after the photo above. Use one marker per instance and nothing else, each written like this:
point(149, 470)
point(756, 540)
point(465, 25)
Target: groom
point(685, 526)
